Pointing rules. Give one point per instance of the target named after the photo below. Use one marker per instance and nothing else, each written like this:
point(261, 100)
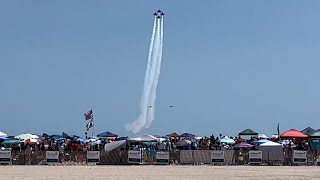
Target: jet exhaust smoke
point(148, 99)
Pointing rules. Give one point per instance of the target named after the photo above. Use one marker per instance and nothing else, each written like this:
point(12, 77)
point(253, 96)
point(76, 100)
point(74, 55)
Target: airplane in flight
point(159, 14)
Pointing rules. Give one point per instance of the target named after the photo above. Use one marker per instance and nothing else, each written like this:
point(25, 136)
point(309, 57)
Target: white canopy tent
point(270, 143)
point(271, 151)
point(114, 145)
point(2, 134)
point(142, 138)
point(270, 146)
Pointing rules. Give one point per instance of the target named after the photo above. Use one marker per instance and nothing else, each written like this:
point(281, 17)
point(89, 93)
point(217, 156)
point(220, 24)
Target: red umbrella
point(173, 135)
point(293, 133)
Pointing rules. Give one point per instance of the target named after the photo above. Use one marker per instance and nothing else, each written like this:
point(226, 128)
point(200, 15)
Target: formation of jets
point(158, 13)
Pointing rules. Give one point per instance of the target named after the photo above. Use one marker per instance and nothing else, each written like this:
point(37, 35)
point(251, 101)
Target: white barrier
point(5, 157)
point(93, 156)
point(52, 156)
point(162, 157)
point(186, 157)
point(255, 157)
point(299, 157)
point(134, 157)
point(217, 157)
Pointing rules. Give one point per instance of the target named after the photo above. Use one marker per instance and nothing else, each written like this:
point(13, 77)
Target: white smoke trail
point(153, 92)
point(146, 88)
point(147, 105)
point(139, 123)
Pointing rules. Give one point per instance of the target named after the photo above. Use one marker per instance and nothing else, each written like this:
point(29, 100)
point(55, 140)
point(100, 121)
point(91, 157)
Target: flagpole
point(89, 116)
point(278, 129)
point(93, 131)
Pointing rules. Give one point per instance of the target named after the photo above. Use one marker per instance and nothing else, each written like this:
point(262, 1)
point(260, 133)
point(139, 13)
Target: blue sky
point(227, 65)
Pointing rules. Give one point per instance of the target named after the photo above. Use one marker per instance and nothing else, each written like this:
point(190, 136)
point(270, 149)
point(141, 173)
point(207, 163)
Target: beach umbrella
point(243, 145)
point(57, 137)
point(227, 140)
point(66, 136)
point(11, 142)
point(187, 135)
point(107, 134)
point(173, 135)
point(2, 134)
point(81, 139)
point(25, 136)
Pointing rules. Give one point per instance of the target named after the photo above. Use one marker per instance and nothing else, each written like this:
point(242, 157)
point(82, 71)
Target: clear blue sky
point(227, 65)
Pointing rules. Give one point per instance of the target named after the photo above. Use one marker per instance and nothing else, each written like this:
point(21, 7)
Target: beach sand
point(160, 172)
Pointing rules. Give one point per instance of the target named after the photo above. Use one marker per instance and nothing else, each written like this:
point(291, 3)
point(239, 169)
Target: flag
point(88, 115)
point(89, 125)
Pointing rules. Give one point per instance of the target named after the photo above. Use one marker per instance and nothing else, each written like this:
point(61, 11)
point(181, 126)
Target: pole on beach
point(90, 124)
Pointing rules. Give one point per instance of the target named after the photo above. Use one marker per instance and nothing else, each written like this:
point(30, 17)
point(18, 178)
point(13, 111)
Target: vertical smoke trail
point(153, 93)
point(139, 123)
point(151, 80)
point(144, 99)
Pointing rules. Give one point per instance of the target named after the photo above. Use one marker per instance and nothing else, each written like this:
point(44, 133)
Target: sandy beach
point(160, 172)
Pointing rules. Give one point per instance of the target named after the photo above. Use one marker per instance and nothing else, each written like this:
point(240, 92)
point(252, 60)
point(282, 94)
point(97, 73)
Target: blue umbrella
point(57, 137)
point(243, 145)
point(186, 135)
point(81, 139)
point(107, 134)
point(65, 135)
point(227, 140)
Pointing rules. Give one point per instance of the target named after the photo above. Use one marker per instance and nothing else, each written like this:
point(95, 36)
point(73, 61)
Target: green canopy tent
point(248, 132)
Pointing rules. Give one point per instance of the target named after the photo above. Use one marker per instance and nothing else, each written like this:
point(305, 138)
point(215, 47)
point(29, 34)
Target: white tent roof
point(270, 143)
point(114, 145)
point(142, 138)
point(2, 134)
